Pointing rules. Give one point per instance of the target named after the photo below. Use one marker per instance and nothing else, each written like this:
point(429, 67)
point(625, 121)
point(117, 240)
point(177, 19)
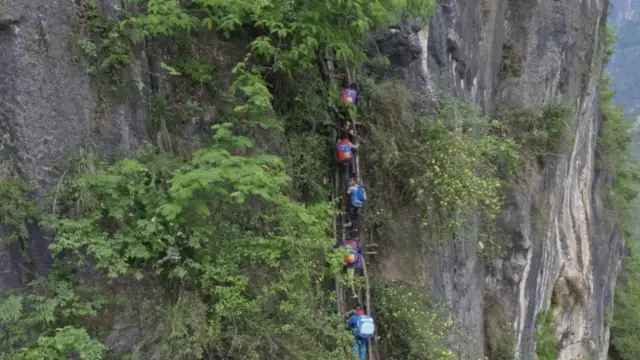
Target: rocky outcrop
point(499, 53)
point(494, 53)
point(48, 109)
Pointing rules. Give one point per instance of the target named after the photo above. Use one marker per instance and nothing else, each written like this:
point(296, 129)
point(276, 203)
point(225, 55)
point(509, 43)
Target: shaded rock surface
point(494, 53)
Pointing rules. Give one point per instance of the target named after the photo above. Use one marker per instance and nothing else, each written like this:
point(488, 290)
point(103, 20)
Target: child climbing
point(362, 327)
point(357, 196)
point(346, 157)
point(349, 96)
point(352, 261)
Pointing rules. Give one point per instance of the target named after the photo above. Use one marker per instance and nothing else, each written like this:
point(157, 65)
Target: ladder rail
point(367, 297)
point(338, 225)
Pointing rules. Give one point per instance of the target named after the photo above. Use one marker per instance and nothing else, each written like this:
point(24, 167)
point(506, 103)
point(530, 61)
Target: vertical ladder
point(339, 231)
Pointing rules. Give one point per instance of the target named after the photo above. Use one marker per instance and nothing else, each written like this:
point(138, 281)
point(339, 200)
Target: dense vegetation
point(220, 247)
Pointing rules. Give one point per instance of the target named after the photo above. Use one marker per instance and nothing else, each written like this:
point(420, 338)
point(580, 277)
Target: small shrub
point(539, 131)
point(625, 326)
point(449, 166)
point(103, 44)
point(46, 323)
point(309, 166)
point(499, 334)
point(410, 326)
point(16, 207)
point(511, 64)
point(547, 347)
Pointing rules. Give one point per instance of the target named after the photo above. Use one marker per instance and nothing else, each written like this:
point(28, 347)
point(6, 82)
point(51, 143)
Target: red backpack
point(344, 150)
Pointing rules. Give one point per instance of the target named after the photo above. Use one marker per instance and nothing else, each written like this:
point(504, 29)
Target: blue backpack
point(365, 327)
point(359, 196)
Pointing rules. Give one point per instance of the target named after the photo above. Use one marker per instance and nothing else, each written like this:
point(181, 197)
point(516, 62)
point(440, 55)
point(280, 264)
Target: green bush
point(625, 328)
point(499, 334)
point(409, 325)
point(539, 131)
point(46, 322)
point(222, 226)
point(309, 166)
point(450, 166)
point(614, 146)
point(16, 207)
point(547, 347)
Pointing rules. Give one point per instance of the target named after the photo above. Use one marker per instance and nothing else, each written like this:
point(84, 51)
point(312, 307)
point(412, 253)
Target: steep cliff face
point(495, 53)
point(49, 111)
point(560, 255)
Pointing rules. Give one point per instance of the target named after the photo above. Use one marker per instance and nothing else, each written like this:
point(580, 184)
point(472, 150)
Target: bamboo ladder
point(339, 231)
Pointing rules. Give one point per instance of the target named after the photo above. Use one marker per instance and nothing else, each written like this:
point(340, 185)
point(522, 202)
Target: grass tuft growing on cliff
point(499, 334)
point(547, 347)
point(16, 208)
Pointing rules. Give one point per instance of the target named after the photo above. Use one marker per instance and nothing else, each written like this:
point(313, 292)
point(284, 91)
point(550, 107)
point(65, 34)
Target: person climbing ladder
point(346, 158)
point(362, 327)
point(356, 197)
point(349, 97)
point(353, 261)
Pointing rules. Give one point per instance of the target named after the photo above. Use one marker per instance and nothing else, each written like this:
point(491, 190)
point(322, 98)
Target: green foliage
point(102, 42)
point(625, 329)
point(309, 166)
point(539, 131)
point(409, 325)
point(460, 163)
point(609, 42)
point(243, 264)
point(547, 347)
point(43, 324)
point(511, 64)
point(290, 37)
point(16, 207)
point(222, 226)
point(620, 195)
point(614, 146)
point(450, 166)
point(499, 334)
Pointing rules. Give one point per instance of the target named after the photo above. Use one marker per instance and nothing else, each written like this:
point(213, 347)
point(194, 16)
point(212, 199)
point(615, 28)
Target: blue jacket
point(353, 195)
point(352, 322)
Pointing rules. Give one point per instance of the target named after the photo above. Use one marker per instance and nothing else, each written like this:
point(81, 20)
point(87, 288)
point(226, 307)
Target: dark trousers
point(354, 217)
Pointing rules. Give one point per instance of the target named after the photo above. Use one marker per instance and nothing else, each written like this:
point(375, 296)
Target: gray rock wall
point(553, 50)
point(48, 110)
point(498, 53)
